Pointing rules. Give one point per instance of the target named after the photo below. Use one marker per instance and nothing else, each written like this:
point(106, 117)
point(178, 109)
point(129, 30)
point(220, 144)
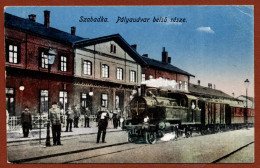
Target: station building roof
point(165, 66)
point(38, 29)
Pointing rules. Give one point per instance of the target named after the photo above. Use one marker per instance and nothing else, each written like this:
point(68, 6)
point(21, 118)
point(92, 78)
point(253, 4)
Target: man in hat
point(76, 116)
point(56, 123)
point(26, 120)
point(70, 117)
point(103, 117)
point(115, 120)
point(86, 115)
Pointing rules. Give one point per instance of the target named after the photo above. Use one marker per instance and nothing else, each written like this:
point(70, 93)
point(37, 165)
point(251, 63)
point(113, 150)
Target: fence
point(14, 122)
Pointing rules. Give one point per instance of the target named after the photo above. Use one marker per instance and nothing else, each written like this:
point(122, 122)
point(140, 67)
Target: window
point(143, 77)
point(63, 63)
point(180, 85)
point(150, 76)
point(132, 76)
point(87, 68)
point(104, 100)
point(105, 71)
point(119, 73)
point(12, 53)
point(117, 101)
point(44, 60)
point(63, 100)
point(10, 101)
point(185, 86)
point(113, 48)
point(44, 101)
point(83, 100)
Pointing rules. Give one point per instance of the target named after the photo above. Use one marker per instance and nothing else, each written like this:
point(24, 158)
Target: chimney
point(73, 30)
point(209, 85)
point(47, 18)
point(169, 60)
point(233, 94)
point(32, 17)
point(164, 56)
point(145, 55)
point(198, 82)
point(134, 46)
point(214, 86)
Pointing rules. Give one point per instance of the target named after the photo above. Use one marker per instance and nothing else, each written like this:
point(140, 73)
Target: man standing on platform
point(26, 120)
point(103, 117)
point(70, 117)
point(76, 116)
point(86, 114)
point(56, 123)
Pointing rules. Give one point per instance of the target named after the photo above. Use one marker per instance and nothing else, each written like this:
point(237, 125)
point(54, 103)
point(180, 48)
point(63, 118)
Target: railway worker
point(55, 114)
point(86, 116)
point(76, 116)
point(103, 117)
point(26, 120)
point(70, 117)
point(115, 120)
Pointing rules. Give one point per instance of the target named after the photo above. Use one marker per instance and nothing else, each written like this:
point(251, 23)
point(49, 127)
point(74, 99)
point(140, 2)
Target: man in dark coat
point(103, 117)
point(86, 115)
point(70, 117)
point(115, 121)
point(76, 116)
point(26, 120)
point(56, 123)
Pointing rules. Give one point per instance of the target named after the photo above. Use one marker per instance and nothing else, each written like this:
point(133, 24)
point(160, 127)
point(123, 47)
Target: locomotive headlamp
point(146, 119)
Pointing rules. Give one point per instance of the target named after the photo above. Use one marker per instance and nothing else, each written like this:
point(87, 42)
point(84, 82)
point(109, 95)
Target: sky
point(215, 43)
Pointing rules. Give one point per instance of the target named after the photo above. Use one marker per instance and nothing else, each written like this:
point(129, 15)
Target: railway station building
point(95, 73)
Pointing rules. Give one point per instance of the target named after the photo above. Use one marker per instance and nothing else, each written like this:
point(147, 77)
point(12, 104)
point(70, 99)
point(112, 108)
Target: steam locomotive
point(158, 112)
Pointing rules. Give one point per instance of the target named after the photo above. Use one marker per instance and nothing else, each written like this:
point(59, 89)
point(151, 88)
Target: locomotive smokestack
point(143, 90)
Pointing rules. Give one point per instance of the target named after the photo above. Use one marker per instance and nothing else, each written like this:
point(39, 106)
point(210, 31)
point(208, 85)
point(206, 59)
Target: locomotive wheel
point(150, 137)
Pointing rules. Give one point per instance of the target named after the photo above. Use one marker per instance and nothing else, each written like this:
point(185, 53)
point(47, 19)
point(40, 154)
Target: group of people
point(116, 120)
point(73, 114)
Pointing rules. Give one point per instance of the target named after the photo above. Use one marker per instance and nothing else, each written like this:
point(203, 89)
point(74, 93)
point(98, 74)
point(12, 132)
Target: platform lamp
point(90, 94)
point(246, 82)
point(21, 88)
point(51, 59)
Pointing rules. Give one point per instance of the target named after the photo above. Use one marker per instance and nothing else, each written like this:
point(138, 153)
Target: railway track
point(98, 151)
point(231, 153)
point(66, 153)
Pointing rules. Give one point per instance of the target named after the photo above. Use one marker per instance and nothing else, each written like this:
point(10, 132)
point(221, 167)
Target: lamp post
point(51, 59)
point(246, 82)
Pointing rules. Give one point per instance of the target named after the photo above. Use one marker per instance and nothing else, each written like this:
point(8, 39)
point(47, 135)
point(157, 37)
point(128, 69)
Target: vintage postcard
point(129, 84)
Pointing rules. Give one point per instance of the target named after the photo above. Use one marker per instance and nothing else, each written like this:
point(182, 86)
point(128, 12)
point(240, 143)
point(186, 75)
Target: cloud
point(205, 29)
